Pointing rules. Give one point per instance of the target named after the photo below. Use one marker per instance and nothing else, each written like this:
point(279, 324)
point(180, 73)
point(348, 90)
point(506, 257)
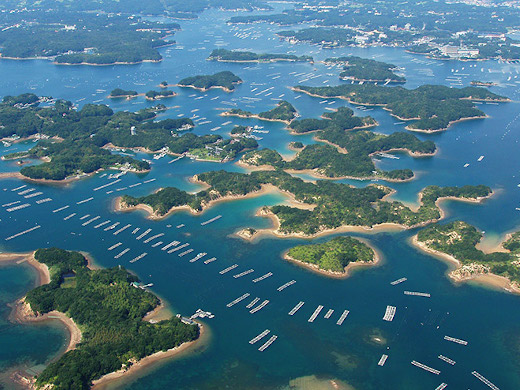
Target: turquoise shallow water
point(487, 319)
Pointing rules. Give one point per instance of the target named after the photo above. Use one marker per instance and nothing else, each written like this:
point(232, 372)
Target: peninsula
point(224, 55)
point(457, 241)
point(225, 80)
point(326, 206)
point(108, 307)
point(432, 107)
point(334, 258)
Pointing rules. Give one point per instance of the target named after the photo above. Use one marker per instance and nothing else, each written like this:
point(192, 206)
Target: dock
point(417, 294)
point(389, 313)
point(198, 257)
point(240, 298)
point(111, 227)
point(22, 233)
point(268, 343)
point(153, 238)
point(425, 367)
point(296, 308)
point(342, 317)
point(398, 281)
point(12, 203)
point(210, 260)
point(143, 234)
point(69, 216)
point(259, 307)
point(484, 380)
point(260, 336)
point(138, 257)
point(328, 313)
point(243, 273)
point(315, 314)
point(19, 207)
point(442, 386)
point(121, 253)
point(446, 359)
point(157, 244)
point(225, 270)
point(382, 361)
point(210, 220)
point(122, 229)
point(90, 221)
point(149, 181)
point(262, 277)
point(84, 217)
point(178, 248)
point(40, 201)
point(85, 200)
point(101, 224)
point(115, 246)
point(185, 252)
point(454, 340)
point(167, 246)
point(284, 286)
point(107, 185)
point(252, 303)
point(135, 230)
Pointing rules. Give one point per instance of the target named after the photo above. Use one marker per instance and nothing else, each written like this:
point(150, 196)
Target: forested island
point(283, 112)
point(122, 93)
point(366, 70)
point(334, 257)
point(75, 37)
point(478, 83)
point(326, 206)
point(225, 80)
point(350, 152)
point(458, 240)
point(155, 95)
point(224, 55)
point(108, 307)
point(431, 107)
point(81, 137)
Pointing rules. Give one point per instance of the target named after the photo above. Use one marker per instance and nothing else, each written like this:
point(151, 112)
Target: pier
point(107, 185)
point(167, 246)
point(18, 188)
point(389, 313)
point(262, 277)
point(425, 367)
point(138, 257)
point(84, 217)
point(252, 303)
point(157, 244)
point(40, 201)
point(90, 221)
point(447, 360)
point(85, 200)
point(101, 224)
point(243, 273)
point(328, 313)
point(342, 317)
point(454, 340)
point(210, 260)
point(315, 314)
point(240, 298)
point(260, 336)
point(398, 281)
point(484, 380)
point(210, 220)
point(121, 253)
point(267, 343)
point(111, 227)
point(382, 361)
point(259, 307)
point(284, 286)
point(15, 208)
point(149, 181)
point(69, 216)
point(178, 248)
point(22, 233)
point(296, 308)
point(442, 386)
point(199, 256)
point(185, 252)
point(115, 246)
point(135, 230)
point(417, 294)
point(225, 270)
point(153, 238)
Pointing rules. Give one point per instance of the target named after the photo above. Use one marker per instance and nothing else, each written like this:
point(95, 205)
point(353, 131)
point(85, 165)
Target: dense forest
point(333, 255)
point(283, 112)
point(226, 80)
point(82, 134)
point(364, 69)
point(459, 239)
point(337, 204)
point(432, 107)
point(109, 309)
point(122, 93)
point(154, 95)
point(224, 55)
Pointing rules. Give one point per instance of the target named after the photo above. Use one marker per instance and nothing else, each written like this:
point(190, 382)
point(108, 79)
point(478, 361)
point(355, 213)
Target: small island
point(225, 80)
point(155, 95)
point(224, 55)
point(319, 208)
point(334, 258)
point(97, 303)
point(366, 70)
point(122, 93)
point(283, 112)
point(477, 83)
point(433, 108)
point(457, 241)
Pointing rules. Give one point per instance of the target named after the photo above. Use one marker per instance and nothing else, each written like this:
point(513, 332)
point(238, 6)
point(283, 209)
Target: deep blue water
point(487, 319)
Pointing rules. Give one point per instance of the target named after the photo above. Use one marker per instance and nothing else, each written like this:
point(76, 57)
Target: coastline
point(206, 89)
point(22, 313)
point(498, 282)
point(348, 270)
point(256, 116)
